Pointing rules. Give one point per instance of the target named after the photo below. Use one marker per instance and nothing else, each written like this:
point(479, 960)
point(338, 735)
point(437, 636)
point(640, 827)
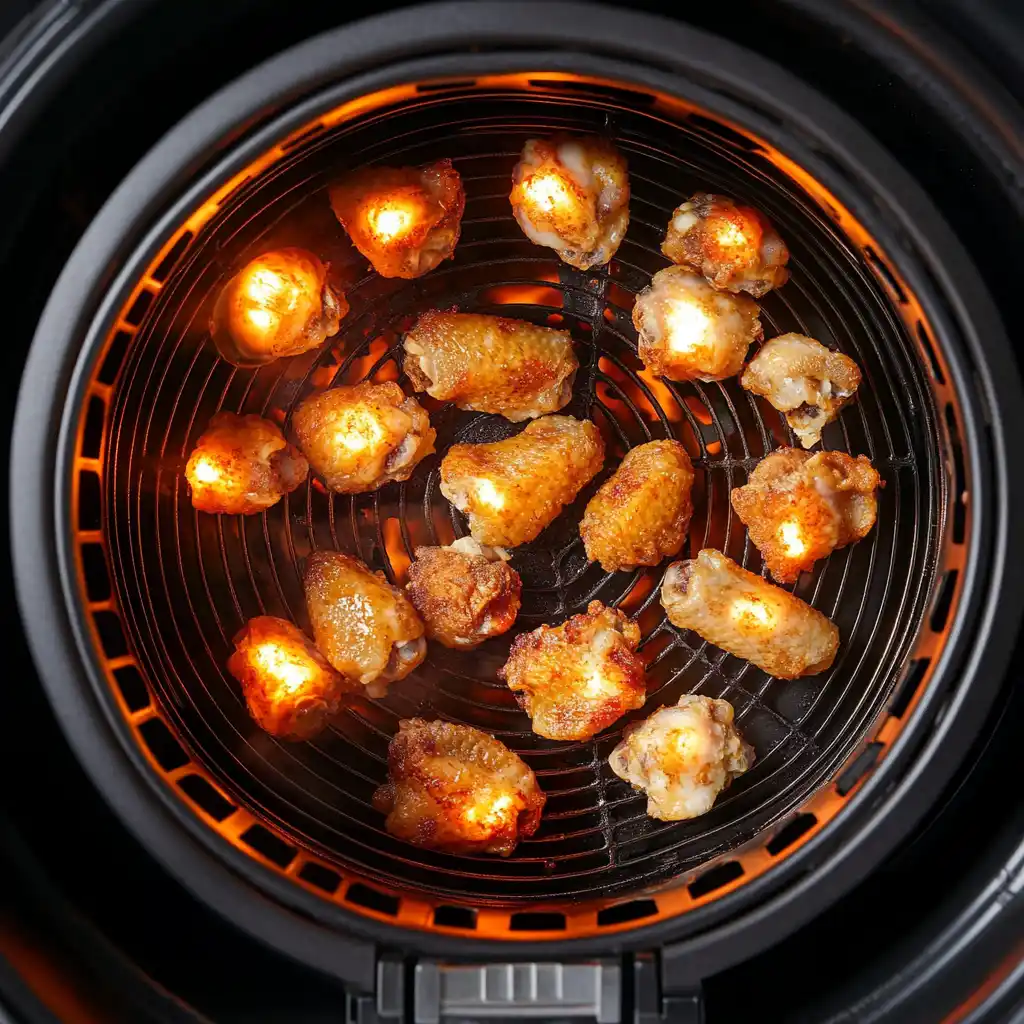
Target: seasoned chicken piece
point(800, 507)
point(457, 789)
point(404, 220)
point(465, 592)
point(642, 513)
point(571, 194)
point(683, 756)
point(735, 247)
point(364, 626)
point(290, 689)
point(689, 331)
point(576, 679)
point(360, 437)
point(510, 490)
point(490, 363)
point(278, 304)
point(748, 616)
point(804, 380)
point(242, 465)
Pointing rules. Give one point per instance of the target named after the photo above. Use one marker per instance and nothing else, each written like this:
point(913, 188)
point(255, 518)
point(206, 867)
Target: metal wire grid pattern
point(187, 582)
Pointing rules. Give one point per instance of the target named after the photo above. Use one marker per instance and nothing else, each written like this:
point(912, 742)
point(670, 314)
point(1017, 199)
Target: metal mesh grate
point(185, 583)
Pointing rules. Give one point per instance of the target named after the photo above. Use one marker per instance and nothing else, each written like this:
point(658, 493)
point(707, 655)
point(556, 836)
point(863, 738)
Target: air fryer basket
point(155, 591)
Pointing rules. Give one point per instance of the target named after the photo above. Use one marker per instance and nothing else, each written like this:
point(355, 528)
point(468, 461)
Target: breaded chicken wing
point(242, 465)
point(804, 380)
point(800, 507)
point(571, 194)
point(642, 513)
point(576, 679)
point(748, 616)
point(689, 331)
point(490, 363)
point(465, 592)
point(510, 490)
point(683, 756)
point(288, 685)
point(360, 437)
point(735, 247)
point(404, 220)
point(457, 789)
point(365, 627)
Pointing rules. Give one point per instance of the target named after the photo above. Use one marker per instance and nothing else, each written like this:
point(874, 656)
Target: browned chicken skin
point(642, 513)
point(576, 679)
point(491, 363)
point(242, 465)
point(800, 507)
point(457, 789)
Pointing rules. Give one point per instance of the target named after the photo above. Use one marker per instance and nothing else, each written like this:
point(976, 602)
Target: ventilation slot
point(537, 921)
point(94, 569)
point(455, 917)
point(92, 431)
point(116, 351)
point(627, 97)
point(166, 750)
point(790, 833)
point(303, 137)
point(959, 478)
point(373, 899)
point(90, 505)
point(112, 640)
point(205, 796)
point(882, 269)
point(168, 263)
point(944, 601)
point(864, 762)
point(908, 686)
point(623, 912)
point(320, 877)
point(267, 845)
point(133, 687)
point(715, 878)
point(929, 350)
point(139, 308)
point(454, 83)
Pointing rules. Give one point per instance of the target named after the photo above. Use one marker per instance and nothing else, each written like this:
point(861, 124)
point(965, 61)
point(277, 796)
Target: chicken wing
point(748, 616)
point(642, 513)
point(289, 687)
point(490, 363)
point(571, 194)
point(510, 490)
point(242, 465)
point(360, 437)
point(800, 507)
point(465, 592)
point(457, 789)
point(576, 679)
point(735, 247)
point(683, 756)
point(404, 220)
point(804, 380)
point(689, 331)
point(364, 626)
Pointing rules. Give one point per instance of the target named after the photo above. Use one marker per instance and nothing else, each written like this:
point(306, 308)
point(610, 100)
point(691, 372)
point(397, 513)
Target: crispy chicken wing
point(242, 465)
point(510, 490)
point(457, 789)
point(800, 507)
point(490, 363)
point(576, 679)
point(804, 380)
point(748, 616)
point(689, 331)
point(404, 220)
point(642, 513)
point(360, 437)
point(735, 247)
point(571, 194)
point(683, 756)
point(365, 627)
point(465, 592)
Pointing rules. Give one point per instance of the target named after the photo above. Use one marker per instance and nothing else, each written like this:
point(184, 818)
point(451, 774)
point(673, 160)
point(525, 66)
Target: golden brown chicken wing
point(800, 507)
point(683, 756)
point(490, 363)
point(748, 616)
point(510, 490)
point(804, 380)
point(576, 679)
point(455, 788)
point(404, 220)
point(360, 437)
point(242, 465)
point(465, 592)
point(571, 194)
point(735, 247)
point(689, 331)
point(642, 513)
point(290, 689)
point(364, 626)
point(279, 304)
